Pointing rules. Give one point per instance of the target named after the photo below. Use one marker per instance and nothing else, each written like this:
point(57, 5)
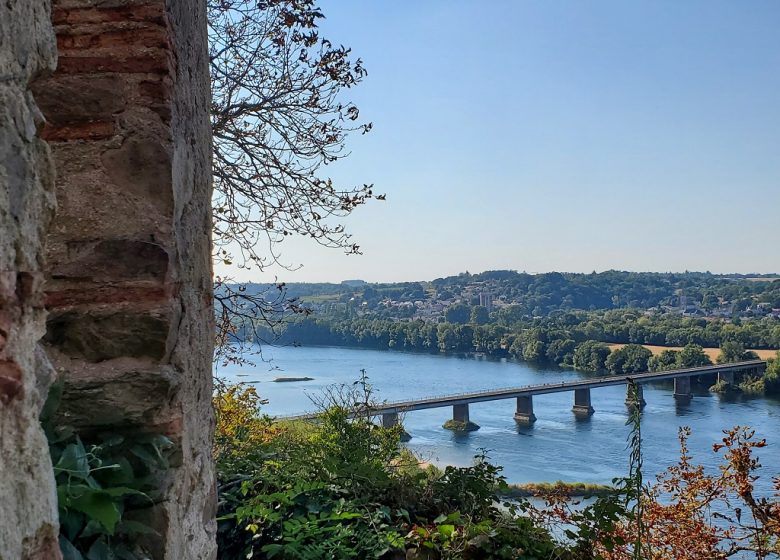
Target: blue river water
point(559, 446)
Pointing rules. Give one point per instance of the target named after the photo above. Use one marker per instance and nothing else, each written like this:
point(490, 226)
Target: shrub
point(100, 479)
point(343, 487)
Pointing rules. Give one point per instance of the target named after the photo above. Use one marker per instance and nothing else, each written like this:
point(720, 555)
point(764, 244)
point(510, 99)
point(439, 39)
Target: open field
point(711, 352)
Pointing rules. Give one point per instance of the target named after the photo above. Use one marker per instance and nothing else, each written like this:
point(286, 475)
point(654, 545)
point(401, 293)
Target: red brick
point(154, 61)
point(153, 13)
point(85, 131)
point(152, 37)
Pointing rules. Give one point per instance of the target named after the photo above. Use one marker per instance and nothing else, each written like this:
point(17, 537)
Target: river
point(559, 446)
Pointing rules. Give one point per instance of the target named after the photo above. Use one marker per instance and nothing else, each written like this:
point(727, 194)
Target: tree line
point(547, 342)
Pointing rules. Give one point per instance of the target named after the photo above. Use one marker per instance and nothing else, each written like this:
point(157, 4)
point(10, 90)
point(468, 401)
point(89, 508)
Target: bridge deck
point(546, 388)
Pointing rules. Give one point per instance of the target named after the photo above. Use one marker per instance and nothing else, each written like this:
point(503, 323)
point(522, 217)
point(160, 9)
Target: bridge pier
point(682, 390)
point(582, 405)
point(634, 399)
point(391, 420)
point(726, 377)
point(460, 419)
point(524, 413)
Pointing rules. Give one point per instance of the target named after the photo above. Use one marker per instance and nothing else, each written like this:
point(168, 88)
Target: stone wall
point(130, 324)
point(28, 508)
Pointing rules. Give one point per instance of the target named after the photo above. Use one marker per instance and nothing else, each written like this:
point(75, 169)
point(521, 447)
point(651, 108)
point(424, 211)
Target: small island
point(289, 379)
point(559, 487)
point(460, 426)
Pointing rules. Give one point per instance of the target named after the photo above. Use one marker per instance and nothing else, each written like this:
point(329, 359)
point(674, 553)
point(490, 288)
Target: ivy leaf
point(93, 528)
point(100, 551)
point(140, 452)
point(122, 473)
point(69, 552)
point(128, 527)
point(122, 491)
point(74, 461)
point(100, 506)
point(71, 522)
point(446, 530)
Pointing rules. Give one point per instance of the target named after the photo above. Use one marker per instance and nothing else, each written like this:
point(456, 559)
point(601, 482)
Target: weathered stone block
point(28, 507)
point(142, 165)
point(78, 99)
point(123, 395)
point(130, 286)
point(97, 335)
point(101, 295)
point(113, 260)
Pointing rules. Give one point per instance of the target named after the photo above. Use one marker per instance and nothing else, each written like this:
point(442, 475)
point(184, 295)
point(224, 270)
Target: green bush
point(99, 480)
point(343, 487)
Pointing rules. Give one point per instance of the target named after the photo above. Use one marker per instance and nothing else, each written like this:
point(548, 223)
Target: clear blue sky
point(551, 135)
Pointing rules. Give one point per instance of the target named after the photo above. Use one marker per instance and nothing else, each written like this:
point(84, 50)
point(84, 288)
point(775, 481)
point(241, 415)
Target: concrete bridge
point(389, 411)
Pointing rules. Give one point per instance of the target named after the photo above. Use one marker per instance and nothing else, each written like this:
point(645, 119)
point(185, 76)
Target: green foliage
point(98, 482)
point(457, 536)
point(692, 355)
point(344, 488)
point(668, 359)
point(459, 426)
point(752, 385)
point(722, 386)
point(772, 376)
point(631, 358)
point(529, 339)
point(634, 483)
point(458, 313)
point(561, 351)
point(590, 355)
point(479, 315)
point(732, 351)
point(614, 307)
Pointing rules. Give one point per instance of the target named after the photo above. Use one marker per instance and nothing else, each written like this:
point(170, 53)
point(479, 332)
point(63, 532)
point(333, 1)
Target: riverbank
point(559, 488)
point(534, 489)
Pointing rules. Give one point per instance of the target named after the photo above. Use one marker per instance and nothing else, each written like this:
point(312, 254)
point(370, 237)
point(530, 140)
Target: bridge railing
point(573, 384)
point(650, 375)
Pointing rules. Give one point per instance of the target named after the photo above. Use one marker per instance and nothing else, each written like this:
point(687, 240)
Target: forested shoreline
point(578, 340)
